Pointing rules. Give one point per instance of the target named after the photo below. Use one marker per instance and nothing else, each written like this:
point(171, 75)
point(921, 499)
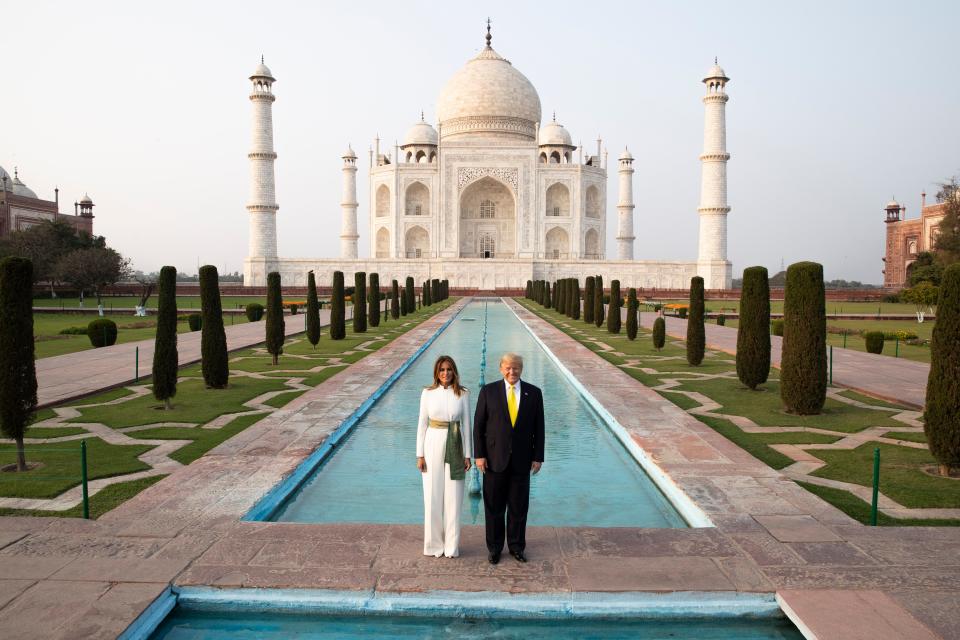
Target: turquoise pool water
point(588, 478)
point(194, 625)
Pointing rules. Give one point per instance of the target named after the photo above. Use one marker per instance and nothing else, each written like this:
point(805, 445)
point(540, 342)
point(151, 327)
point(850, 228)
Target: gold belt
point(442, 424)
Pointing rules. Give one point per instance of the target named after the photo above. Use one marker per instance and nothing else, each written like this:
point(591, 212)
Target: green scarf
point(453, 450)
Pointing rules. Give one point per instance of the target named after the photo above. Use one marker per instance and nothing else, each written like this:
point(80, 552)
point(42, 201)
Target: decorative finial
point(15, 176)
point(261, 59)
point(715, 60)
point(554, 115)
point(489, 37)
point(421, 116)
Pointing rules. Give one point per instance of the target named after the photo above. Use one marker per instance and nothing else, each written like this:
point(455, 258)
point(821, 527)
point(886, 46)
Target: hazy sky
point(834, 108)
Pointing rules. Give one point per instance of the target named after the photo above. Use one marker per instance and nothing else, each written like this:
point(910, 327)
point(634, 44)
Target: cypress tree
point(546, 294)
point(425, 293)
point(165, 358)
point(560, 303)
point(613, 319)
point(411, 295)
point(360, 302)
point(598, 308)
point(753, 332)
point(435, 291)
point(373, 301)
point(275, 324)
point(632, 308)
point(803, 363)
point(529, 292)
point(338, 311)
point(576, 298)
point(213, 339)
point(536, 291)
point(942, 414)
point(696, 332)
point(659, 333)
point(394, 299)
point(18, 374)
point(313, 310)
point(571, 289)
point(588, 300)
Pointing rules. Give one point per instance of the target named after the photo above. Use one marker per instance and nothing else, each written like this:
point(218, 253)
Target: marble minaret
point(625, 235)
point(712, 264)
point(348, 226)
point(262, 205)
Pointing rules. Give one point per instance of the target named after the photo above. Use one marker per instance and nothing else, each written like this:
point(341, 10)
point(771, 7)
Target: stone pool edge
point(694, 516)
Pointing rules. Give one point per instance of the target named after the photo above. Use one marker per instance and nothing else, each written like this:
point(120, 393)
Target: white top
point(443, 404)
point(516, 392)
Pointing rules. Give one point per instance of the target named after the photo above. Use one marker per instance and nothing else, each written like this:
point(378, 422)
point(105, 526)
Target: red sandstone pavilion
point(21, 208)
point(907, 238)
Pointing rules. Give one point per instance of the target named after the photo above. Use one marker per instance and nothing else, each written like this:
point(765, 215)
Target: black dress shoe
point(493, 557)
point(518, 556)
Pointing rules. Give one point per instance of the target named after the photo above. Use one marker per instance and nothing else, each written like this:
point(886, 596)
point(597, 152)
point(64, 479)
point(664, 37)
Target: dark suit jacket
point(493, 437)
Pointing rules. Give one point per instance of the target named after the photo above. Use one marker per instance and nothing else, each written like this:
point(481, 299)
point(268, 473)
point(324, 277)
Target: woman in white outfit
point(444, 449)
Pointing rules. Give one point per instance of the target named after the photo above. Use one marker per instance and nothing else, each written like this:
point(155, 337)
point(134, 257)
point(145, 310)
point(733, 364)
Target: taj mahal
point(491, 197)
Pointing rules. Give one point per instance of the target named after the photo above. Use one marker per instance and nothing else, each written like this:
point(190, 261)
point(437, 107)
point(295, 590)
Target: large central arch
point(488, 220)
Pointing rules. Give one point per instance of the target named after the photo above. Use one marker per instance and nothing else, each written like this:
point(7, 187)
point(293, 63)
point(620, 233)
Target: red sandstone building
point(20, 208)
point(907, 238)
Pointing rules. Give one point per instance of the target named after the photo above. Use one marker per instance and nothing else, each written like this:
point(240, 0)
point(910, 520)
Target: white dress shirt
point(516, 392)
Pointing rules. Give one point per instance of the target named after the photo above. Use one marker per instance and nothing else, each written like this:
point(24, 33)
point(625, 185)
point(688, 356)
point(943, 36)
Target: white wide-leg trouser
point(442, 500)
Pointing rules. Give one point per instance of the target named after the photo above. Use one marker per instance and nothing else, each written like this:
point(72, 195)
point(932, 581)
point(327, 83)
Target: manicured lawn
point(756, 444)
point(61, 466)
point(909, 436)
point(186, 303)
point(53, 432)
point(193, 403)
point(860, 510)
point(832, 307)
point(203, 439)
point(100, 503)
point(49, 342)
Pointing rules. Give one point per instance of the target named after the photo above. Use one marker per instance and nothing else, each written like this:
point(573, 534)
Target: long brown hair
point(455, 385)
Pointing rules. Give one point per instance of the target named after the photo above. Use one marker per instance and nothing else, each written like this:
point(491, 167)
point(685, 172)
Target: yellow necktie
point(512, 406)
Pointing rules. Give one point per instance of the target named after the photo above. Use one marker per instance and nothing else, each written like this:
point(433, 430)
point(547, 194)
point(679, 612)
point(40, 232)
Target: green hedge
point(874, 341)
point(254, 311)
point(195, 321)
point(102, 332)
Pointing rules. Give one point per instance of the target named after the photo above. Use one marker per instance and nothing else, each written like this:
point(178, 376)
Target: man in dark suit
point(508, 445)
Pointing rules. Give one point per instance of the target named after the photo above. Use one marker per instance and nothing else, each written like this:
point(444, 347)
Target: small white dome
point(554, 133)
point(349, 153)
point(262, 71)
point(716, 71)
point(420, 133)
point(893, 204)
point(86, 199)
point(626, 155)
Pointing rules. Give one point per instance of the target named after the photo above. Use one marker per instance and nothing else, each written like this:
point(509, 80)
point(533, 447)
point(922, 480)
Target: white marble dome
point(420, 133)
point(21, 189)
point(554, 133)
point(262, 71)
point(716, 71)
point(488, 95)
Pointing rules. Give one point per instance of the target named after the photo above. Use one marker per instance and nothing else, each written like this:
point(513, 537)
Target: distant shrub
point(874, 341)
point(254, 312)
point(892, 297)
point(293, 309)
point(74, 331)
point(102, 332)
point(721, 320)
point(659, 333)
point(195, 320)
point(682, 311)
point(776, 327)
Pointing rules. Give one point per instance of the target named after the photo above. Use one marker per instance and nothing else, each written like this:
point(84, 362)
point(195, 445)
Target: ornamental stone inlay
point(466, 175)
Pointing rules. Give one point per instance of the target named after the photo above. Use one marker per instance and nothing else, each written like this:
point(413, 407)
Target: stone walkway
point(78, 374)
point(74, 578)
point(894, 379)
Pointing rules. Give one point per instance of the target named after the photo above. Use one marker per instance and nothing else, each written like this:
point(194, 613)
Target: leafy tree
point(633, 308)
point(92, 269)
point(659, 333)
point(275, 324)
point(18, 375)
point(576, 299)
point(947, 243)
point(696, 332)
point(803, 366)
point(613, 319)
point(394, 299)
point(925, 269)
point(753, 332)
point(45, 244)
point(213, 339)
point(598, 308)
point(411, 295)
point(373, 301)
point(338, 312)
point(165, 357)
point(942, 412)
point(359, 302)
point(313, 311)
point(923, 296)
point(588, 288)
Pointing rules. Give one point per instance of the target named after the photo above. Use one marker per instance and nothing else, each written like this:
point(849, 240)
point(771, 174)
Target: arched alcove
point(488, 218)
point(383, 201)
point(416, 243)
point(557, 244)
point(593, 202)
point(591, 244)
point(383, 242)
point(558, 200)
point(417, 200)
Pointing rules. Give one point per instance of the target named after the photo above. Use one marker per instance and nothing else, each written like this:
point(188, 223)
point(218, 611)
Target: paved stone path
point(895, 379)
point(78, 374)
point(73, 578)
